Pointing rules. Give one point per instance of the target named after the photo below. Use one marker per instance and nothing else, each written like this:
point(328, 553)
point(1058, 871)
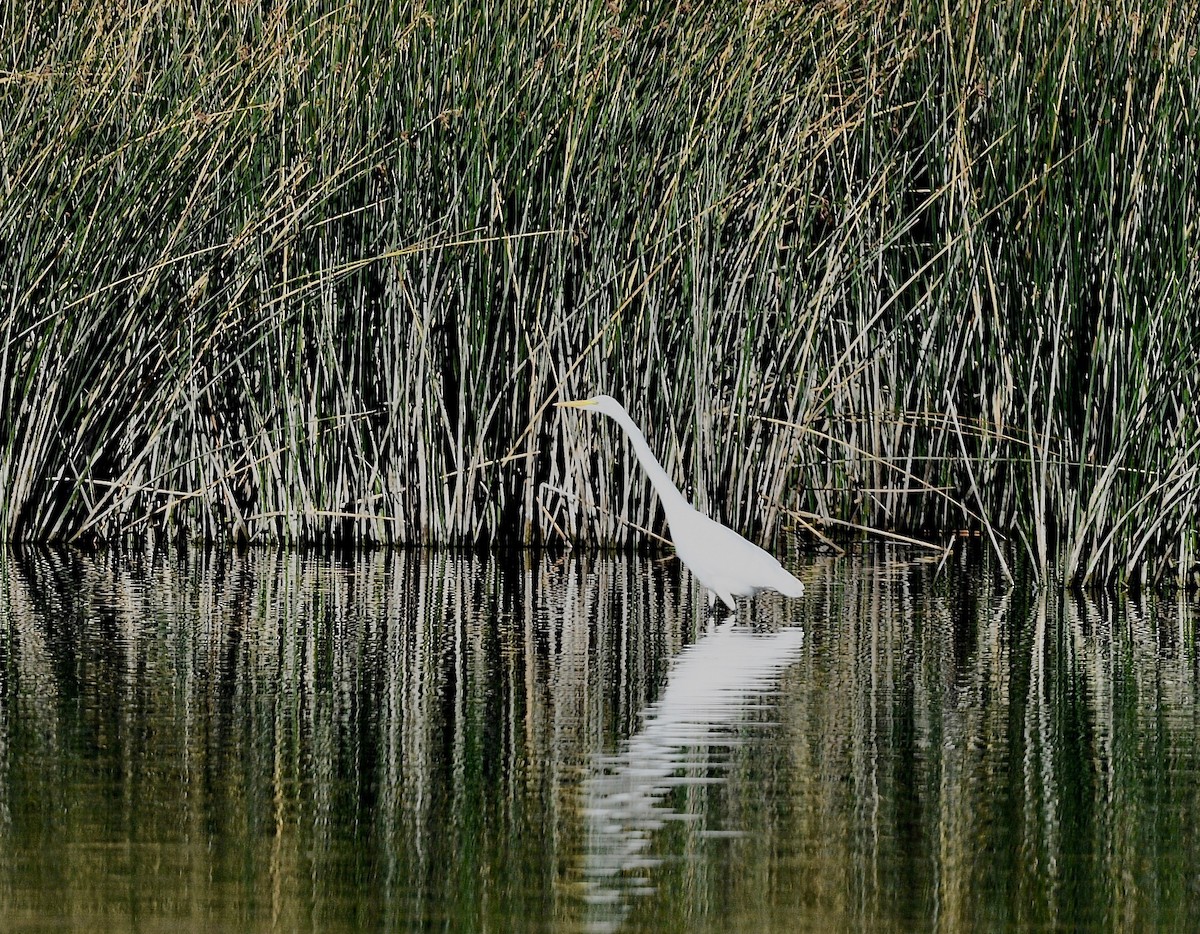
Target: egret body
point(724, 562)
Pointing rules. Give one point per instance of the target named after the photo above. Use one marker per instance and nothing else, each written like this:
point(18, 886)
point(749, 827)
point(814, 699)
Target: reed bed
point(312, 276)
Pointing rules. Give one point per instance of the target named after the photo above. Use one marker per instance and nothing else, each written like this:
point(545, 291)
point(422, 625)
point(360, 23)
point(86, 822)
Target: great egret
point(726, 564)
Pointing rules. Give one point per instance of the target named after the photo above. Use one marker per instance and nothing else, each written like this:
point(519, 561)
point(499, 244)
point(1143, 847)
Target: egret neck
point(673, 502)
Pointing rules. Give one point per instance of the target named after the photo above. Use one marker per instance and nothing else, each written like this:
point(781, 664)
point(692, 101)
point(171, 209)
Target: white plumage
point(724, 562)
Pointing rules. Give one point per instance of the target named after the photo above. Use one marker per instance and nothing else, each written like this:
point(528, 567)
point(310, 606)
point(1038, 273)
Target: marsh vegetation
point(301, 274)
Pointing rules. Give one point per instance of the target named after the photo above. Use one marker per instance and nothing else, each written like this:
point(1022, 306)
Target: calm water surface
point(400, 741)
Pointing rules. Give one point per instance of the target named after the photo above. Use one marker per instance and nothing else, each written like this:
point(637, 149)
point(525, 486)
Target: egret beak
point(575, 404)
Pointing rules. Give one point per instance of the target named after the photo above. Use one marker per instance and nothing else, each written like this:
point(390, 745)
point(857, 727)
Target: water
point(403, 741)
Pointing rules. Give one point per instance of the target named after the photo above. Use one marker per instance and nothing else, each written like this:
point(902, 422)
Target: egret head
point(603, 404)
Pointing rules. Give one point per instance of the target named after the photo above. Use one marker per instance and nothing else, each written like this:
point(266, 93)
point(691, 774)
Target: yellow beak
point(575, 404)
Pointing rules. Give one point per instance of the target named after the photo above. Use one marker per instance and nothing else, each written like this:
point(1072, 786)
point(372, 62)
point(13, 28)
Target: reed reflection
point(396, 740)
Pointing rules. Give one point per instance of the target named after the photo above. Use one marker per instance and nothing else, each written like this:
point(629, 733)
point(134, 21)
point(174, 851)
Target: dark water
point(399, 741)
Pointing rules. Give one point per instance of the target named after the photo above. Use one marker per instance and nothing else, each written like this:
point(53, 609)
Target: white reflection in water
point(714, 686)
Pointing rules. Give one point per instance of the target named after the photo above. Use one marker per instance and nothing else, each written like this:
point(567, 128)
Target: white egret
point(724, 562)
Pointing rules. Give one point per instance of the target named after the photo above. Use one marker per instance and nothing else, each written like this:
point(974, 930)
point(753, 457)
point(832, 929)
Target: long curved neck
point(668, 493)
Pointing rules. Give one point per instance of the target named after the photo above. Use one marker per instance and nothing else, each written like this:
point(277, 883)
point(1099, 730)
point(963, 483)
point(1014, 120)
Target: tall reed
point(315, 276)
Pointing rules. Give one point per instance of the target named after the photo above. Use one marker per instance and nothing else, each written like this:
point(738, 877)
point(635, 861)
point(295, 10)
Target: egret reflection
point(715, 689)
